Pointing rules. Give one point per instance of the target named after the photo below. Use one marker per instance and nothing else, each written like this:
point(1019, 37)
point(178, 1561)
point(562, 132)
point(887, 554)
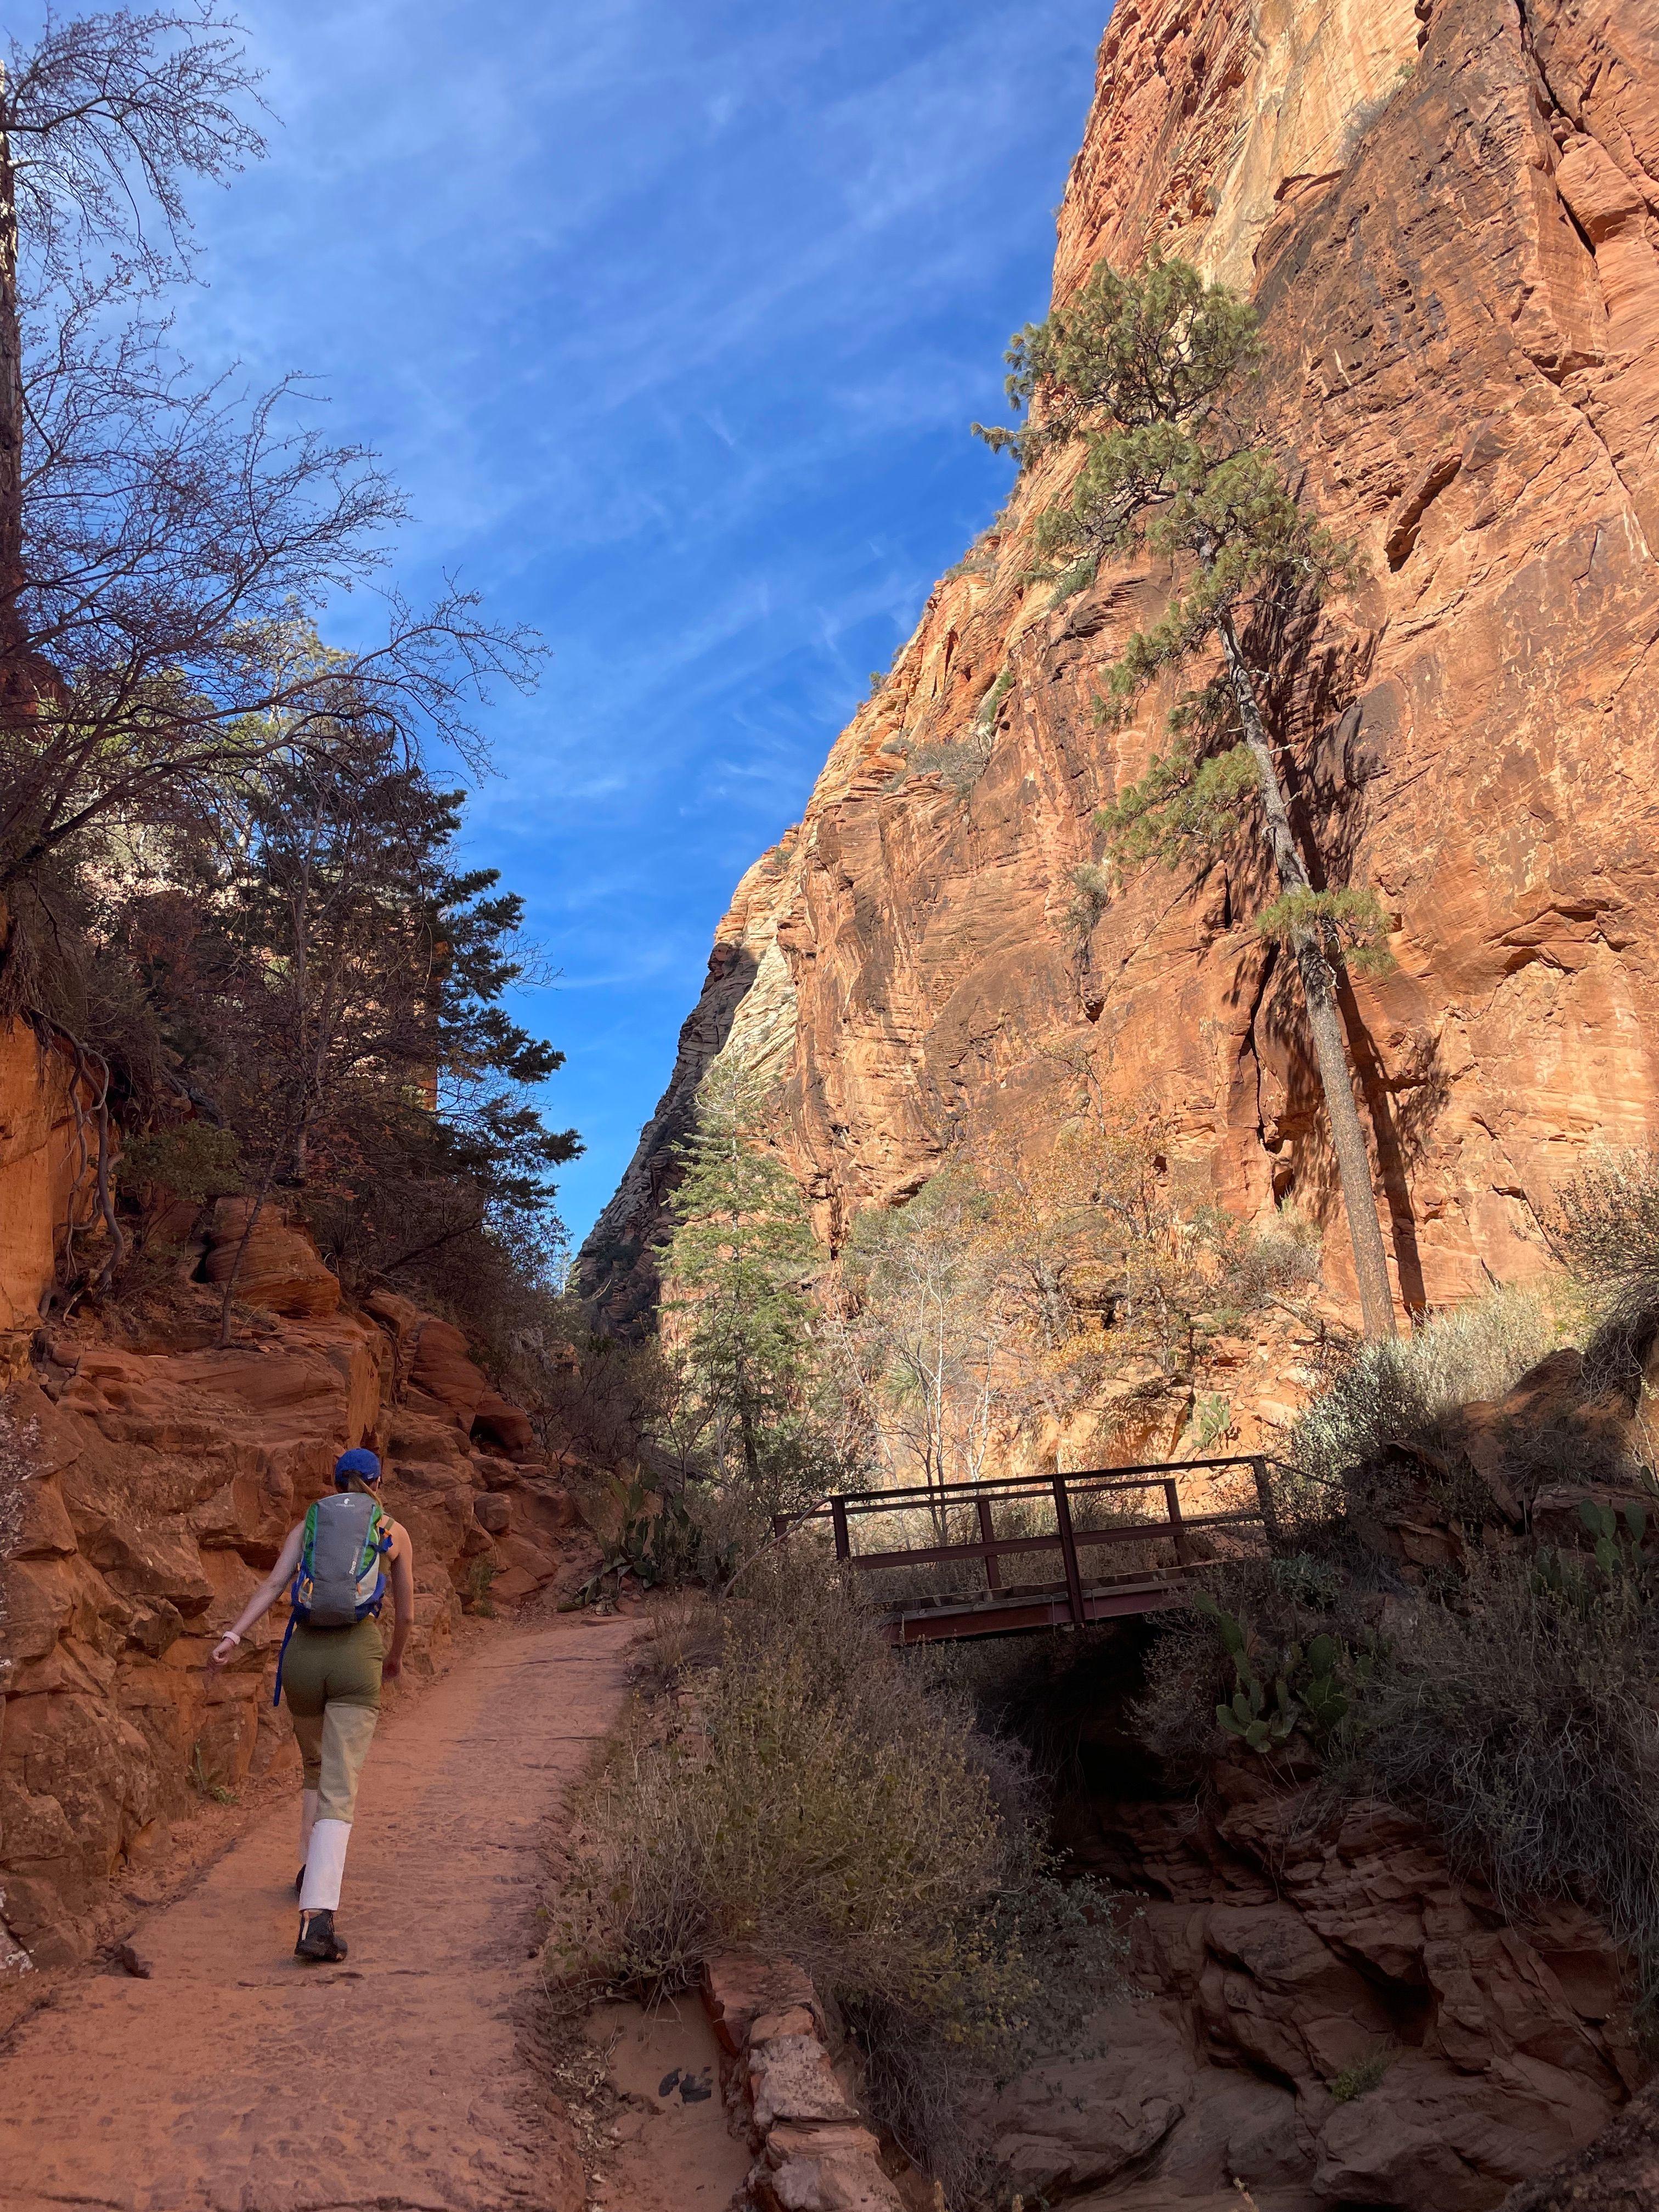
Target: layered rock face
point(1335, 2019)
point(1447, 215)
point(149, 1489)
point(1619, 2172)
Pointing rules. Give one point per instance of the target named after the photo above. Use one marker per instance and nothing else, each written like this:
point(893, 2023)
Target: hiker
point(334, 1566)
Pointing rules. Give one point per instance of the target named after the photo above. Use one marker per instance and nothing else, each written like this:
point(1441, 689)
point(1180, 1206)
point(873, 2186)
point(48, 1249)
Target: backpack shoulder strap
point(374, 1538)
point(308, 1546)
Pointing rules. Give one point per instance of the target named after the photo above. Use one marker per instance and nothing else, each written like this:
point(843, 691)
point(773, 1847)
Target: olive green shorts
point(331, 1680)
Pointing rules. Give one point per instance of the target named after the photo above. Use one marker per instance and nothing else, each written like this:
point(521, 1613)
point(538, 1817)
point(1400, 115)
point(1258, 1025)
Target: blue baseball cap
point(363, 1464)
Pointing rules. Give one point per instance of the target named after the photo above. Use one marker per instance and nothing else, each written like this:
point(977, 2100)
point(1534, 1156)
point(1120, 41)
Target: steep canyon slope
point(1447, 215)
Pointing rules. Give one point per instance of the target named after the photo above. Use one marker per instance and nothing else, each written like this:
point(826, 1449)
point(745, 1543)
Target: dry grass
point(815, 1797)
point(1518, 1715)
point(1407, 1390)
point(682, 1639)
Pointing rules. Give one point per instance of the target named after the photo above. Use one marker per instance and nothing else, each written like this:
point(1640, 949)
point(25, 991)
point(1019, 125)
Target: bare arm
point(261, 1602)
point(402, 1599)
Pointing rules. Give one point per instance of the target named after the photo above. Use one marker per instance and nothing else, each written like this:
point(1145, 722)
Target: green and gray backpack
point(340, 1579)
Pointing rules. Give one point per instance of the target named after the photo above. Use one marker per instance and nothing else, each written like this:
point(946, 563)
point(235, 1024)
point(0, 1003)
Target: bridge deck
point(933, 1523)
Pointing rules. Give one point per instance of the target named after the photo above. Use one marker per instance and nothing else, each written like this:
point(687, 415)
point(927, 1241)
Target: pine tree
point(1151, 373)
point(741, 1254)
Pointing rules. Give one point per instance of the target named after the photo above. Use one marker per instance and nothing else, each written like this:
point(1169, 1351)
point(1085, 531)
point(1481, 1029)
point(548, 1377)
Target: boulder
point(1429, 2135)
point(280, 1268)
point(443, 1378)
point(496, 1421)
point(739, 1987)
point(833, 2167)
point(1552, 1432)
point(1619, 2171)
point(790, 2078)
point(446, 1383)
point(1069, 2124)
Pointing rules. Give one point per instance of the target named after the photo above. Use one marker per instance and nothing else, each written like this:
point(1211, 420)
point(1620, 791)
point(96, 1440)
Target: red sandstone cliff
point(1449, 216)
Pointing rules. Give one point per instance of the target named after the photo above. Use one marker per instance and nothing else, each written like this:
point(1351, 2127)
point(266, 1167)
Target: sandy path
point(235, 2080)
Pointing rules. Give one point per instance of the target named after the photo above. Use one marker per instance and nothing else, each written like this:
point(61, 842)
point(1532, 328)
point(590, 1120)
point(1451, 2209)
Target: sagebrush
point(1405, 1390)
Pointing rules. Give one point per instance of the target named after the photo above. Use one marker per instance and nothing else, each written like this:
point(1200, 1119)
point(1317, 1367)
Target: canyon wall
point(1448, 217)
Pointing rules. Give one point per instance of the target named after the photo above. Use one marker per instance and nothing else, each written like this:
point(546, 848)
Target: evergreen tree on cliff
point(1150, 373)
point(741, 1254)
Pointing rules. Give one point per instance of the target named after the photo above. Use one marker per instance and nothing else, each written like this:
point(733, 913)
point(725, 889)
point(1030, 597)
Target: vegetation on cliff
point(1150, 372)
point(232, 892)
point(1461, 1615)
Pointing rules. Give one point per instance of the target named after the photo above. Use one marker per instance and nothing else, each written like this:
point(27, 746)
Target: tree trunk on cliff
point(1324, 1019)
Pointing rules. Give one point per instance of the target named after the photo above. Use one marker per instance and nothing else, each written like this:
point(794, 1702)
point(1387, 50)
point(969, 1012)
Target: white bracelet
point(230, 1636)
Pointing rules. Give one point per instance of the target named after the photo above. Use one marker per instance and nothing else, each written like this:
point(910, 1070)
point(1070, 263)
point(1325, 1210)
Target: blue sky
point(671, 316)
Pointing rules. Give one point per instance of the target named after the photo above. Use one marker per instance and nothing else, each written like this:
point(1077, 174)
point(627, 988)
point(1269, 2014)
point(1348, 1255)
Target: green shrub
point(1604, 1227)
point(958, 763)
point(1604, 1224)
point(1359, 2079)
point(480, 1580)
point(826, 1803)
point(1313, 1685)
point(193, 1161)
point(206, 1784)
point(1091, 894)
point(1300, 1625)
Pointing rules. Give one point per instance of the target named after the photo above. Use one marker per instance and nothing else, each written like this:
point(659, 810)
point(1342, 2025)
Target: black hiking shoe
point(318, 1941)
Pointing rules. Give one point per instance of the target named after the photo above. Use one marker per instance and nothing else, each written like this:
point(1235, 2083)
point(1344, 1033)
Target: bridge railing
point(1072, 1500)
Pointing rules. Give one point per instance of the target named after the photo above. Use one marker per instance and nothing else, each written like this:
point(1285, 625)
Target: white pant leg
point(324, 1866)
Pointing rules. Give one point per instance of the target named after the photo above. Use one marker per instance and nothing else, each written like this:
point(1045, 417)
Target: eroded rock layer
point(1333, 2018)
point(1446, 212)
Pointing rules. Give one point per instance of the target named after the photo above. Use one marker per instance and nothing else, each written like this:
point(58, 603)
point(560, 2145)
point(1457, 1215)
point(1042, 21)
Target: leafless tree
point(927, 1330)
point(158, 534)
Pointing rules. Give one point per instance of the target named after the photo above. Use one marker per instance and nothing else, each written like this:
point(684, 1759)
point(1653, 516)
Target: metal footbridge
point(979, 1558)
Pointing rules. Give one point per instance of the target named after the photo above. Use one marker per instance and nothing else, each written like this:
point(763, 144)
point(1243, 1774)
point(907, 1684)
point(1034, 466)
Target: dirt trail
point(235, 2080)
